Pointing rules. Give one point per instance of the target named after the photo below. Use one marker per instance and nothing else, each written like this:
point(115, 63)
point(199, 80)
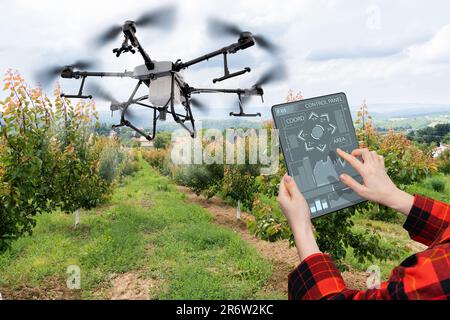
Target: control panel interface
point(310, 131)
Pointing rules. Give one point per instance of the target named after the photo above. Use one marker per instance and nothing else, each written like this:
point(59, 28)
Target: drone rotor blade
point(101, 93)
point(49, 74)
point(82, 64)
point(108, 35)
point(276, 73)
point(264, 43)
point(222, 28)
point(163, 17)
point(245, 100)
point(132, 116)
point(197, 104)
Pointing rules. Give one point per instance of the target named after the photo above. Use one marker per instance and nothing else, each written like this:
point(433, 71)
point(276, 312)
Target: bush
point(239, 184)
point(156, 158)
point(201, 179)
point(438, 185)
point(443, 162)
point(162, 140)
point(376, 211)
point(130, 167)
point(111, 158)
point(269, 224)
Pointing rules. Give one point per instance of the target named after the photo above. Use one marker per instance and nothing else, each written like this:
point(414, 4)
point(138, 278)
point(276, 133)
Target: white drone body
point(160, 88)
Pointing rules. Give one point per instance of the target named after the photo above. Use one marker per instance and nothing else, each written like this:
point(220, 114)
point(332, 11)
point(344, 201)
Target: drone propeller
point(223, 28)
point(197, 104)
point(101, 93)
point(163, 17)
point(50, 73)
point(274, 74)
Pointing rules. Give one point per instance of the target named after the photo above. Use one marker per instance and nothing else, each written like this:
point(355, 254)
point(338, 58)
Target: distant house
point(438, 150)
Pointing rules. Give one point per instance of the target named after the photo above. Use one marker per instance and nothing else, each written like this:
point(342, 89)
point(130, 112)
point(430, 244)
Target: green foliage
point(443, 162)
point(49, 157)
point(162, 140)
point(269, 222)
point(334, 234)
point(239, 184)
point(174, 244)
point(130, 167)
point(201, 179)
point(438, 185)
point(157, 158)
point(437, 134)
point(424, 188)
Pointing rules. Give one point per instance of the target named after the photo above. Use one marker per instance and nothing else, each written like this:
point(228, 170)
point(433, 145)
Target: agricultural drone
point(166, 86)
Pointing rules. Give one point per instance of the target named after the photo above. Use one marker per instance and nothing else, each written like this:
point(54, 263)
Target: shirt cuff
point(315, 278)
point(417, 221)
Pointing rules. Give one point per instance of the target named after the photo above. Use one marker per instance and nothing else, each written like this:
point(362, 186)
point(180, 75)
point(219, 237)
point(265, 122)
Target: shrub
point(443, 162)
point(438, 185)
point(269, 223)
point(201, 179)
point(239, 184)
point(130, 167)
point(111, 158)
point(162, 140)
point(156, 158)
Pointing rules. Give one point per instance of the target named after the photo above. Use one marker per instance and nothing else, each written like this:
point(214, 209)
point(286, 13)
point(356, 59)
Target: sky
point(387, 52)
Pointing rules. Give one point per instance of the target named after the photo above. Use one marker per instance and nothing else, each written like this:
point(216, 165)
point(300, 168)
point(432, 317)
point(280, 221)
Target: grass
point(425, 188)
point(150, 227)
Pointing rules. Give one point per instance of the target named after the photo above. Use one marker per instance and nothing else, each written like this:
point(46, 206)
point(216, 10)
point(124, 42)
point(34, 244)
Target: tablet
point(310, 130)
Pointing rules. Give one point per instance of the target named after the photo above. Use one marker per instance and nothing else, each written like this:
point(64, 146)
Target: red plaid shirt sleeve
point(425, 275)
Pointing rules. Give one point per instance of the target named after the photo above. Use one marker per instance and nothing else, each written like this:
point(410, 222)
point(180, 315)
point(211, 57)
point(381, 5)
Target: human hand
point(296, 210)
point(293, 204)
point(377, 186)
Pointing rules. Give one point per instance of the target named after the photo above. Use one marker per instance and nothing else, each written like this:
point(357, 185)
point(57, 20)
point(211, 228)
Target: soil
point(132, 285)
point(53, 288)
point(284, 258)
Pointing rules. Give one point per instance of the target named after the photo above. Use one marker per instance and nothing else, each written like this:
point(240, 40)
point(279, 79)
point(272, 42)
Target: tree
point(47, 157)
point(437, 134)
point(162, 140)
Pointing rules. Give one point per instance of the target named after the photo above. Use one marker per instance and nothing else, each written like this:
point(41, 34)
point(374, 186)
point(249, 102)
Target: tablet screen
point(310, 130)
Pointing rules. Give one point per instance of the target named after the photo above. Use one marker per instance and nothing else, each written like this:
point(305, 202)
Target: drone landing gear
point(126, 123)
point(226, 71)
point(68, 74)
point(241, 112)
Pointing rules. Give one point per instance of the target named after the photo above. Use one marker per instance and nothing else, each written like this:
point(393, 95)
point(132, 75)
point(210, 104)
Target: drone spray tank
point(160, 87)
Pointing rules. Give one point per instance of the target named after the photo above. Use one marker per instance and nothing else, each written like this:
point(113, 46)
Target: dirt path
point(283, 258)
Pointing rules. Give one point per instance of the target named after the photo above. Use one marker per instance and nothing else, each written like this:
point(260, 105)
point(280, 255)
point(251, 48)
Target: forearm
point(400, 201)
point(305, 241)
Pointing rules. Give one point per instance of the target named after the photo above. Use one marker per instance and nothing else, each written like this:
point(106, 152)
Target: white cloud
point(328, 46)
point(436, 50)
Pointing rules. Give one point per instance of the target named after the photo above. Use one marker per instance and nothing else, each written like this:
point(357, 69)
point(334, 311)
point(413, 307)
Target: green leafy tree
point(47, 159)
point(162, 140)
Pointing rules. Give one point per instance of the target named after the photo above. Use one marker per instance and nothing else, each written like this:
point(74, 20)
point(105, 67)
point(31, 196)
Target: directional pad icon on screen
point(317, 131)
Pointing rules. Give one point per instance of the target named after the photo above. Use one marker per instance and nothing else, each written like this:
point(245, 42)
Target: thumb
point(291, 186)
point(352, 183)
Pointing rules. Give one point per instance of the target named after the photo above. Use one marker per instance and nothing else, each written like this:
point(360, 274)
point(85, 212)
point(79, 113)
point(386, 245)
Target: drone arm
point(207, 90)
point(184, 65)
point(129, 29)
point(240, 45)
point(70, 74)
point(240, 92)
